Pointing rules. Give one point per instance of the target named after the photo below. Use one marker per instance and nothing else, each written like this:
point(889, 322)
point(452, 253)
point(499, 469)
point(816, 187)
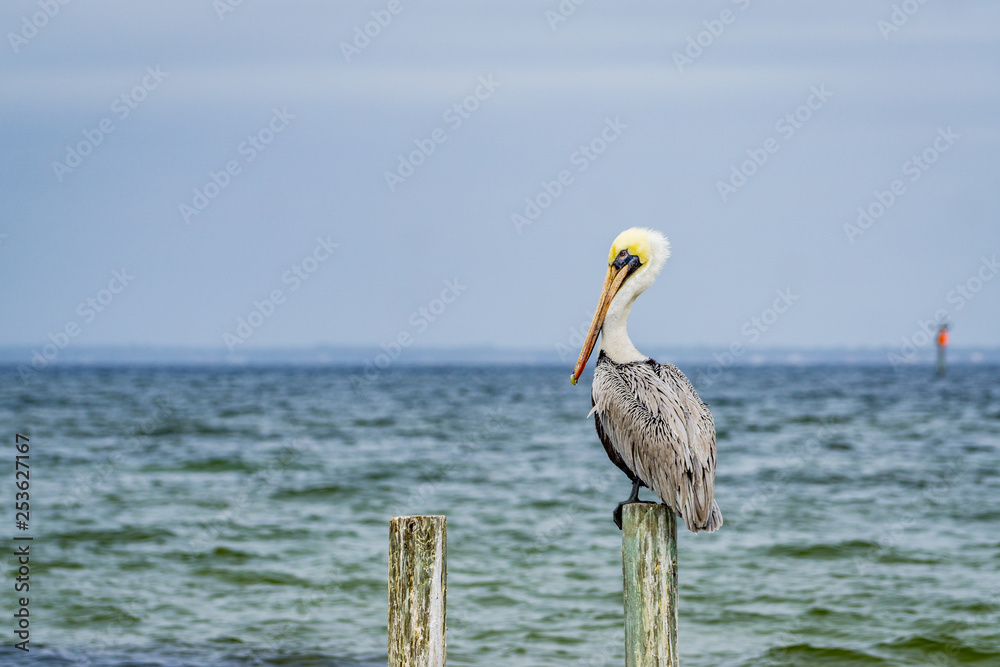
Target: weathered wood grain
point(417, 591)
point(649, 568)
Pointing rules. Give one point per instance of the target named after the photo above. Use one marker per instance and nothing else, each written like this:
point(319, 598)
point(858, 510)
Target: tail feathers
point(710, 525)
point(714, 519)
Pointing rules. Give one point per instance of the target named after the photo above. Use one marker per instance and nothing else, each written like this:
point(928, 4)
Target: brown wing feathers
point(654, 426)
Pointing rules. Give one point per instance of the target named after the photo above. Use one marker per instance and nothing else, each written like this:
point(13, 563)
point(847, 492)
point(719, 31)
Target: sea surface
point(220, 516)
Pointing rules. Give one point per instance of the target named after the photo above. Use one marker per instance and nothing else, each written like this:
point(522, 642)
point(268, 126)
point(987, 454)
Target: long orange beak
point(611, 285)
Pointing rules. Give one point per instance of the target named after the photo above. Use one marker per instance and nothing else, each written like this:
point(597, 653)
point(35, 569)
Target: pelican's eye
point(626, 258)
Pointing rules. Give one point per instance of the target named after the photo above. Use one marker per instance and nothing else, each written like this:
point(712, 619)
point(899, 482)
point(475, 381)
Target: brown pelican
point(649, 417)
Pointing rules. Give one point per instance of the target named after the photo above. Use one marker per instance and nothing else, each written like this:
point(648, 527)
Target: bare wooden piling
point(417, 591)
point(649, 568)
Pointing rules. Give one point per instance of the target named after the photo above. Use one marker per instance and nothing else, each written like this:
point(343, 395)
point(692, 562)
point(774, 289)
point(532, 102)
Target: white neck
point(614, 334)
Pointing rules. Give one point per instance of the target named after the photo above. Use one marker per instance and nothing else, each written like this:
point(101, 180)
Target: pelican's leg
point(633, 498)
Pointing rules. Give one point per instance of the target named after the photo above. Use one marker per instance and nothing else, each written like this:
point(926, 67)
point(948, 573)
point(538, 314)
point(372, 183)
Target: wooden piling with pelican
point(417, 591)
point(649, 574)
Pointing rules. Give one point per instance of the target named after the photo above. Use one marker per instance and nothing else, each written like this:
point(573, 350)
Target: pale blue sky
point(340, 126)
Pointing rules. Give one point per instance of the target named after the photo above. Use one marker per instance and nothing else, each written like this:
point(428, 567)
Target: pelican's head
point(637, 256)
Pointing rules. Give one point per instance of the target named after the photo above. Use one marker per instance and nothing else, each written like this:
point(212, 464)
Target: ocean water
point(218, 516)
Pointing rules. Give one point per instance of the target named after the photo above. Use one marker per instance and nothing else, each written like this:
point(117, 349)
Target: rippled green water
point(221, 517)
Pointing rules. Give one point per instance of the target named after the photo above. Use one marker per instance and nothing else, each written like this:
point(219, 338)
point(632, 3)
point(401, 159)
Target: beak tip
point(572, 380)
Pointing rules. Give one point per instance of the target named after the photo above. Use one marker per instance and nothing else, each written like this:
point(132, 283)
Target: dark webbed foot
point(633, 498)
point(617, 515)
